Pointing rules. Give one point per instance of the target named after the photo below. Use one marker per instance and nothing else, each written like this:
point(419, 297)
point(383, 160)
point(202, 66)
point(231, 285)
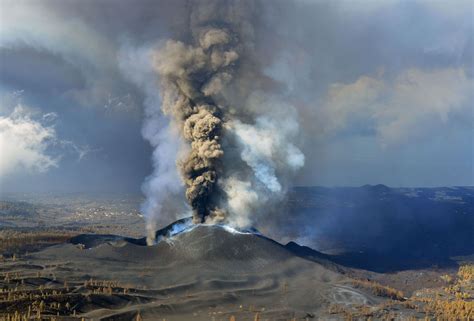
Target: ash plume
point(190, 76)
point(237, 132)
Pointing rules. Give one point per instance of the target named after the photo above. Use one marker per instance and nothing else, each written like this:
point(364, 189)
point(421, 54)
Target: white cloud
point(24, 143)
point(412, 103)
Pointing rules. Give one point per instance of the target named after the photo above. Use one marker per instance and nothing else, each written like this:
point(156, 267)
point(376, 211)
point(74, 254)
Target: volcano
point(195, 272)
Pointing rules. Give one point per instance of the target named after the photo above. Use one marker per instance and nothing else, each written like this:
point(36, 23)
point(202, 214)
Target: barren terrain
point(101, 269)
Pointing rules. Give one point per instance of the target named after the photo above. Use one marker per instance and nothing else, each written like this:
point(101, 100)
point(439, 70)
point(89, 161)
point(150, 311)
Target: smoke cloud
point(229, 134)
point(343, 65)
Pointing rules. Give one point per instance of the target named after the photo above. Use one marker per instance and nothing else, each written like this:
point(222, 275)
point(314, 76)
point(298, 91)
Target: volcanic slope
point(204, 272)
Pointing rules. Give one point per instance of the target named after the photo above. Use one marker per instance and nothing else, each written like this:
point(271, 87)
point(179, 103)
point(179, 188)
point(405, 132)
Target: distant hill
point(372, 227)
point(379, 227)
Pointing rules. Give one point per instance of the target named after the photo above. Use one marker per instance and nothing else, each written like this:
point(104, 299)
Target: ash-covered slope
point(186, 241)
point(193, 267)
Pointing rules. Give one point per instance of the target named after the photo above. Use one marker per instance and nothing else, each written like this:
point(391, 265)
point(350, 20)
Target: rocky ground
point(82, 258)
point(215, 273)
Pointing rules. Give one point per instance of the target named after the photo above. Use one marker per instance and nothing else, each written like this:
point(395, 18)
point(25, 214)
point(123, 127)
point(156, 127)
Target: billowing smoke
point(238, 132)
point(190, 76)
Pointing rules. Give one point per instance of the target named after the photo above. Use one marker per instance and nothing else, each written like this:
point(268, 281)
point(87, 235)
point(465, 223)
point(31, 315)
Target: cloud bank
point(24, 142)
point(413, 103)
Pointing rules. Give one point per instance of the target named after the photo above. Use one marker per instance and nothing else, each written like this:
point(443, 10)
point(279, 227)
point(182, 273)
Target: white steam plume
point(221, 121)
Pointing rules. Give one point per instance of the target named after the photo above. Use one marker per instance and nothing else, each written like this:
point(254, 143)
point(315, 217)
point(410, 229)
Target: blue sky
point(383, 90)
